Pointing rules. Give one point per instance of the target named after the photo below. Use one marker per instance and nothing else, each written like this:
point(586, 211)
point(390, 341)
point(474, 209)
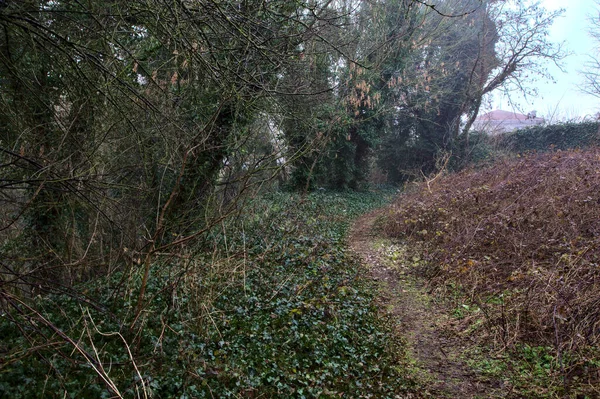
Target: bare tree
point(591, 73)
point(523, 49)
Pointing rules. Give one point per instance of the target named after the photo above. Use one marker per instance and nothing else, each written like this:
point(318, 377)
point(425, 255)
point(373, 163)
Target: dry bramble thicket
point(521, 239)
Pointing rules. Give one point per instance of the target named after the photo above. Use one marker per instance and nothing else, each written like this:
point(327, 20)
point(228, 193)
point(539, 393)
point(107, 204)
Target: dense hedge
point(543, 138)
point(480, 147)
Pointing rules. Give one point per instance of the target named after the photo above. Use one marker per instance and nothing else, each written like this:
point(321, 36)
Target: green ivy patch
point(300, 321)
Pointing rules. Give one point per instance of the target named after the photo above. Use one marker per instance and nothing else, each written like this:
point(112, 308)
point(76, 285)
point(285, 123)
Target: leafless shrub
point(522, 239)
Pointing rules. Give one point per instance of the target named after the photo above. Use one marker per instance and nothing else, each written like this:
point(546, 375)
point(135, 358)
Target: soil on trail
point(431, 338)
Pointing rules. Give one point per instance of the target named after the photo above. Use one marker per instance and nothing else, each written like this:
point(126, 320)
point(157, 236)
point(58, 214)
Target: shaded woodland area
point(144, 150)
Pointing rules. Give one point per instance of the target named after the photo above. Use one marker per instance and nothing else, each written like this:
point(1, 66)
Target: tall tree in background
point(591, 73)
point(523, 50)
point(392, 27)
point(308, 122)
point(486, 46)
point(384, 32)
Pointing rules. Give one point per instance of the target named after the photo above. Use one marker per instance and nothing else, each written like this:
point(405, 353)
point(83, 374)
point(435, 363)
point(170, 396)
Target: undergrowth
point(271, 304)
point(517, 245)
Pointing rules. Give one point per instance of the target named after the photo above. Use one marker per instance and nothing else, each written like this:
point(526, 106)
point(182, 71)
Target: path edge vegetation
point(284, 310)
point(512, 250)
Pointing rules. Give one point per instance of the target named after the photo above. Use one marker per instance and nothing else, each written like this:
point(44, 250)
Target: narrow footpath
point(432, 342)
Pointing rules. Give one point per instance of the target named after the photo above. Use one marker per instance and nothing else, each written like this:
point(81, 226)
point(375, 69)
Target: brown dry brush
point(522, 237)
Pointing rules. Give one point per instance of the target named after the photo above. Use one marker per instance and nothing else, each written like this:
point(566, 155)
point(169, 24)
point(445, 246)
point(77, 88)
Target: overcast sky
point(564, 96)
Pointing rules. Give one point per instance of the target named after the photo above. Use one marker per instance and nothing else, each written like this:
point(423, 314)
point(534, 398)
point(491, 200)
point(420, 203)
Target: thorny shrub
point(521, 238)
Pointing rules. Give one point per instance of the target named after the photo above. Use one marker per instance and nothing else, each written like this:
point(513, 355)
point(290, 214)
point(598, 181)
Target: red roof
point(499, 115)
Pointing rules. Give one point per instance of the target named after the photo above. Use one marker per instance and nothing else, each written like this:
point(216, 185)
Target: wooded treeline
point(126, 124)
point(128, 129)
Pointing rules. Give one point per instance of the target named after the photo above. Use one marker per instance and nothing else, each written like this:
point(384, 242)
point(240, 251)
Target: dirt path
point(437, 350)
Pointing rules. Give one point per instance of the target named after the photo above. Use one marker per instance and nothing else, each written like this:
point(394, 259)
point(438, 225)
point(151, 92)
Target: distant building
point(496, 122)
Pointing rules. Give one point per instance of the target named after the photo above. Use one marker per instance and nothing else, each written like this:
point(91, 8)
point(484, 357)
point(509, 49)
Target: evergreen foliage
point(562, 136)
point(482, 148)
point(284, 312)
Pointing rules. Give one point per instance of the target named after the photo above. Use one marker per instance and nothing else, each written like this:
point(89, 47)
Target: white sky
point(563, 100)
